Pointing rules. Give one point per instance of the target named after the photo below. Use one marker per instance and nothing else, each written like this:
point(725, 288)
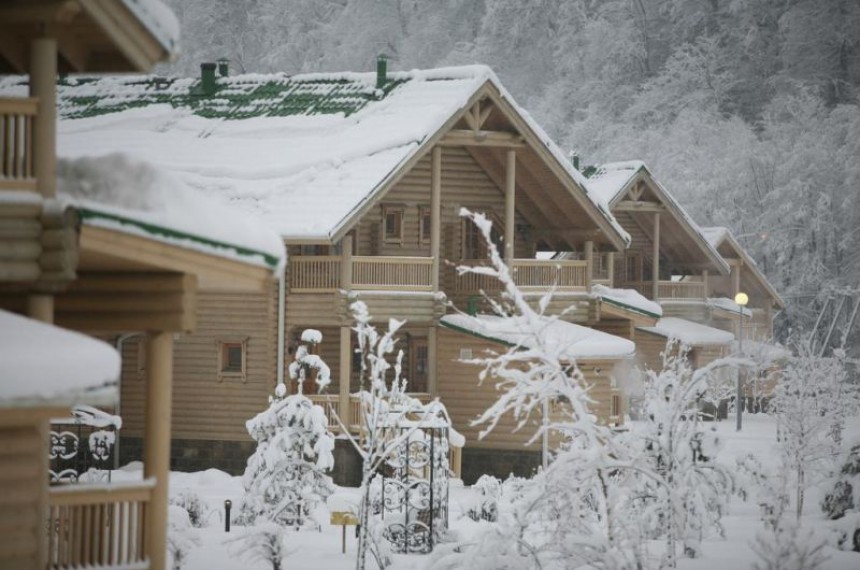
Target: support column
point(156, 440)
point(432, 385)
point(345, 374)
point(435, 213)
point(510, 194)
point(736, 279)
point(705, 289)
point(43, 85)
point(40, 307)
point(655, 258)
point(589, 264)
point(346, 262)
point(610, 261)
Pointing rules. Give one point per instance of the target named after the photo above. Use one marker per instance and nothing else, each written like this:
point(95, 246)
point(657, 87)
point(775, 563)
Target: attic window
point(393, 221)
point(232, 359)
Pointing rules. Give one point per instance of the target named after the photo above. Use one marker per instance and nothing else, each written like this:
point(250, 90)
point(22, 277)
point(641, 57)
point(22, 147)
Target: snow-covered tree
point(285, 478)
point(690, 489)
point(810, 403)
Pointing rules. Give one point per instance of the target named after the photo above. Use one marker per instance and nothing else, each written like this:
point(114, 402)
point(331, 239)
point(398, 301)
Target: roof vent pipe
point(381, 70)
point(223, 67)
point(207, 78)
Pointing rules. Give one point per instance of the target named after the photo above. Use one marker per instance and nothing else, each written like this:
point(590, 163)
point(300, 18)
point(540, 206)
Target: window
point(232, 356)
point(424, 224)
point(474, 246)
point(392, 218)
point(615, 406)
point(418, 365)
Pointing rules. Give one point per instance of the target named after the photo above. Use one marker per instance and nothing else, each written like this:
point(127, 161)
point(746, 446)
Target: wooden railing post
point(510, 195)
point(655, 261)
point(704, 283)
point(346, 263)
point(589, 264)
point(610, 271)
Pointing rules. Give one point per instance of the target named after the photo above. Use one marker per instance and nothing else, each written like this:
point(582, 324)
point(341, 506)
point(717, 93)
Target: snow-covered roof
point(612, 180)
point(569, 340)
point(629, 299)
point(688, 332)
point(303, 152)
point(44, 365)
point(124, 194)
point(727, 304)
point(718, 235)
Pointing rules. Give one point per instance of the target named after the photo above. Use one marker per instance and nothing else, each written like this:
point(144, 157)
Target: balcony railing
point(99, 526)
point(17, 168)
point(392, 273)
point(668, 289)
point(566, 275)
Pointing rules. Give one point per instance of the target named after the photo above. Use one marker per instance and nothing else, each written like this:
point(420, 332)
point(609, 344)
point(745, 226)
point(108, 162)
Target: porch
point(670, 290)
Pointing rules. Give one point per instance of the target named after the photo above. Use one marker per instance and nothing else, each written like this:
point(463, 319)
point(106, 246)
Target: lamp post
point(741, 299)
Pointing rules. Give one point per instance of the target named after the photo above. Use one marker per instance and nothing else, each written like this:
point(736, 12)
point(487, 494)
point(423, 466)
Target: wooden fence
point(17, 169)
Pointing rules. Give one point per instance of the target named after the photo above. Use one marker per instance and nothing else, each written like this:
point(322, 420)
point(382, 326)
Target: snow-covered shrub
point(489, 490)
point(181, 539)
point(771, 488)
point(264, 542)
point(285, 478)
point(198, 511)
point(688, 489)
point(789, 547)
point(840, 496)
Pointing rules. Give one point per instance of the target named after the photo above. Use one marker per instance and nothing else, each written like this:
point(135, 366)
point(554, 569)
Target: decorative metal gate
point(414, 501)
point(83, 444)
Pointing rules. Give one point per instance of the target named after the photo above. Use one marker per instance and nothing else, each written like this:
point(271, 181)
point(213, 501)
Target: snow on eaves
point(304, 174)
point(127, 195)
point(44, 365)
point(628, 298)
point(727, 304)
point(569, 340)
point(688, 332)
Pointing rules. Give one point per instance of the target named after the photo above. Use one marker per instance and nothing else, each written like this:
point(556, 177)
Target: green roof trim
point(475, 334)
point(233, 98)
point(88, 213)
point(630, 307)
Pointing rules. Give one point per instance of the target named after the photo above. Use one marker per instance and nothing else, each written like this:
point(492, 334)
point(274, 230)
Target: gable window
point(424, 224)
point(392, 221)
point(232, 359)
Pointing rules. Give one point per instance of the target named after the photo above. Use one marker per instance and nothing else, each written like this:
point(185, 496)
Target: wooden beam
point(655, 261)
point(345, 374)
point(457, 137)
point(510, 197)
point(22, 11)
point(73, 51)
point(631, 206)
point(13, 50)
point(214, 272)
point(435, 213)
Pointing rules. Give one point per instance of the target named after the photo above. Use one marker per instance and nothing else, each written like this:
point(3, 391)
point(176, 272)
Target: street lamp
point(741, 299)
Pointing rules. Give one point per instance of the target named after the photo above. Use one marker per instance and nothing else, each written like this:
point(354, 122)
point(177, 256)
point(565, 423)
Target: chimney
point(223, 67)
point(381, 70)
point(207, 78)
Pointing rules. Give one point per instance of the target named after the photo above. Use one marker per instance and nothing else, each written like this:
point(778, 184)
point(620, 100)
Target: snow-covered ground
point(322, 549)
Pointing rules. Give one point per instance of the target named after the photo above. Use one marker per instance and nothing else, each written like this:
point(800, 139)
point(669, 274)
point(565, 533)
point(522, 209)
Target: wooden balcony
point(325, 273)
point(17, 168)
point(99, 526)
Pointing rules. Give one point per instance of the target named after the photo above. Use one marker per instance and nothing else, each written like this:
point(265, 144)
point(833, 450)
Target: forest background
point(746, 110)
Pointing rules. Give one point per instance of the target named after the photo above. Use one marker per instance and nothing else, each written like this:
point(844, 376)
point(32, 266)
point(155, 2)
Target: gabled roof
point(721, 238)
point(612, 182)
point(308, 153)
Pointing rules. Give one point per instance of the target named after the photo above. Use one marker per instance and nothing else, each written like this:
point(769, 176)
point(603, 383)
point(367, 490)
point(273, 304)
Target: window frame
point(424, 230)
point(222, 355)
point(398, 211)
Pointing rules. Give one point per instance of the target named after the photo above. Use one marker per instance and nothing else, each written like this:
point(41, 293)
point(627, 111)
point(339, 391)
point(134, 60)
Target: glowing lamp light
point(742, 299)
